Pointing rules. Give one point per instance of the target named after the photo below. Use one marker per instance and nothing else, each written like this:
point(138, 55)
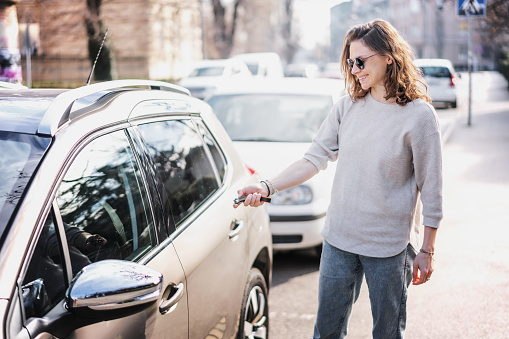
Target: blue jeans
point(341, 275)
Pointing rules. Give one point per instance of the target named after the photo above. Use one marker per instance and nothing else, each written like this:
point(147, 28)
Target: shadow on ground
point(290, 264)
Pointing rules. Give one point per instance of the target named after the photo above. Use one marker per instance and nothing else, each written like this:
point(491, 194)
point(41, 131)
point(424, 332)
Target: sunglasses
point(359, 62)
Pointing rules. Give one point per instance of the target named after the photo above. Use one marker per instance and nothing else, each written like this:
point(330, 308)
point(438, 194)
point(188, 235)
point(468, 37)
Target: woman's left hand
point(423, 268)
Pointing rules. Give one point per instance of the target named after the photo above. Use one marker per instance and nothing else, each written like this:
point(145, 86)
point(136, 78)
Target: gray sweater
point(388, 156)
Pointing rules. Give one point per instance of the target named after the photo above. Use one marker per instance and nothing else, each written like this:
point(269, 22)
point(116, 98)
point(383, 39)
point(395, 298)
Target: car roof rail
point(59, 110)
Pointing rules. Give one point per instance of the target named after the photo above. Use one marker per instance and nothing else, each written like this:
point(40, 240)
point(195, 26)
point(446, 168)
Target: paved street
point(468, 295)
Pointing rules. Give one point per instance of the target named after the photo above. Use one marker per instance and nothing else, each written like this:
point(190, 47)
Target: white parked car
point(272, 123)
point(441, 78)
point(332, 70)
point(304, 70)
point(264, 65)
point(206, 75)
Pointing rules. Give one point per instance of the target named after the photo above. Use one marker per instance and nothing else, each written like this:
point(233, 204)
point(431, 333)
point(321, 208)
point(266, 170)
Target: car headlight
point(298, 195)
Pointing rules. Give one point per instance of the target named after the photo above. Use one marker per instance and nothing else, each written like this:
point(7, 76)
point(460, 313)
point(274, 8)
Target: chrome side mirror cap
point(113, 284)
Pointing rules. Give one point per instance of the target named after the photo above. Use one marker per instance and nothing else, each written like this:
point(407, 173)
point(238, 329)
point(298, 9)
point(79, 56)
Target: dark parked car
point(116, 218)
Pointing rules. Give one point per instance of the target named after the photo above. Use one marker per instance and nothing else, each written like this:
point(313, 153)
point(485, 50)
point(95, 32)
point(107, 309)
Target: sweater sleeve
point(325, 146)
point(427, 159)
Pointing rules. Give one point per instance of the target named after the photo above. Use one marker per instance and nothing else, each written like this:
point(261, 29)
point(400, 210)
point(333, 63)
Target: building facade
point(151, 39)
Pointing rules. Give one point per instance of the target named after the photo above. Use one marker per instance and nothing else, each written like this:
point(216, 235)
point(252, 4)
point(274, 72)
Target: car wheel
point(454, 104)
point(318, 250)
point(254, 315)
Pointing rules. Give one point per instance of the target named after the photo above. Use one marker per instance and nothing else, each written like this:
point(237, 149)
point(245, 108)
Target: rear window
point(253, 67)
point(21, 153)
point(207, 72)
point(436, 71)
point(271, 117)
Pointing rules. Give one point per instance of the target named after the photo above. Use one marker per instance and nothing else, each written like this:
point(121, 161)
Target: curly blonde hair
point(402, 76)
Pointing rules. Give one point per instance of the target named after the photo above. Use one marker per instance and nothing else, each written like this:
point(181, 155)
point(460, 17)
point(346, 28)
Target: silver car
point(116, 218)
point(441, 80)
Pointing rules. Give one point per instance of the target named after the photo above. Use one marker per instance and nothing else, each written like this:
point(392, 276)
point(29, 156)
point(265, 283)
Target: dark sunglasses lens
point(359, 62)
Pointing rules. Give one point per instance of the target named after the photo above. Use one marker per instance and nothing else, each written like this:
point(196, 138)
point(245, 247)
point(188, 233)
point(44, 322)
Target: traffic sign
point(474, 8)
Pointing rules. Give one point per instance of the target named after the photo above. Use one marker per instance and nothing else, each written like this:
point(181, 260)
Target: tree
point(105, 67)
point(291, 45)
point(497, 17)
point(224, 33)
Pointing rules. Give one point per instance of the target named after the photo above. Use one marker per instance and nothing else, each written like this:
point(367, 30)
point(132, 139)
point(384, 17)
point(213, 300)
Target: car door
point(102, 211)
point(210, 236)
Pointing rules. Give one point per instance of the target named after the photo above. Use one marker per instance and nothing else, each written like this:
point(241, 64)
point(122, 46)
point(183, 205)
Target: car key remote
point(242, 199)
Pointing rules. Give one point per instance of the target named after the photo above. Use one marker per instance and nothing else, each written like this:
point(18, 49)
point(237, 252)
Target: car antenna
point(97, 57)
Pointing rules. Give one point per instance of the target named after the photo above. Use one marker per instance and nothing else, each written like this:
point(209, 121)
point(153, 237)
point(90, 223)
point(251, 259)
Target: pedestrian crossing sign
point(471, 7)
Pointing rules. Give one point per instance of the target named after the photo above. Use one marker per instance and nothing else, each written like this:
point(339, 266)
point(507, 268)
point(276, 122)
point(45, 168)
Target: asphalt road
point(468, 295)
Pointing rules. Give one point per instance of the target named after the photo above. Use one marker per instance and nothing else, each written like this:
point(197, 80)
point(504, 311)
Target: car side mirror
point(35, 298)
point(112, 285)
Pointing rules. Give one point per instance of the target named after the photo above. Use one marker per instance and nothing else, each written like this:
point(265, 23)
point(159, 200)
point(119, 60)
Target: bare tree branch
point(105, 69)
point(497, 17)
point(222, 36)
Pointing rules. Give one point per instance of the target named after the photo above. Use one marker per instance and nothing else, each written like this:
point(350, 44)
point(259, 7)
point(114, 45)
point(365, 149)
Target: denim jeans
point(341, 275)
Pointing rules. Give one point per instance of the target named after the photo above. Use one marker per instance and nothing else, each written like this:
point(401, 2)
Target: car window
point(207, 72)
point(436, 71)
point(44, 283)
point(182, 165)
point(253, 68)
point(20, 155)
point(271, 117)
point(215, 151)
point(104, 204)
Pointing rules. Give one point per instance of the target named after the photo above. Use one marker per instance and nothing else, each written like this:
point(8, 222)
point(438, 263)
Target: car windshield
point(271, 117)
point(436, 71)
point(21, 153)
point(207, 72)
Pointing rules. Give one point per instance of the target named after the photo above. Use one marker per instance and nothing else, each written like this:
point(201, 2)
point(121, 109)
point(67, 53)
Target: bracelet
point(430, 254)
point(274, 189)
point(268, 189)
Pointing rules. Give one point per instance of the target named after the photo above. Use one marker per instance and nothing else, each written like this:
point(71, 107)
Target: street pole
point(470, 59)
point(28, 55)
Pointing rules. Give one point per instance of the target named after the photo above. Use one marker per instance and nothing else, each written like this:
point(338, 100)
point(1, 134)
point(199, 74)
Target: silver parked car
point(441, 80)
point(116, 218)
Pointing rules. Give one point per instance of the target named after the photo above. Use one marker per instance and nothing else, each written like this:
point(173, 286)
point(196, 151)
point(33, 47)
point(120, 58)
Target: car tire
point(318, 251)
point(454, 104)
point(254, 314)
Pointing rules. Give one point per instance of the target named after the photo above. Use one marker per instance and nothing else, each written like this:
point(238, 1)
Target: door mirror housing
point(111, 285)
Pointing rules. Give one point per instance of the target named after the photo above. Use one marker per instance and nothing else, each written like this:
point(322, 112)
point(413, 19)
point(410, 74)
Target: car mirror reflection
point(113, 284)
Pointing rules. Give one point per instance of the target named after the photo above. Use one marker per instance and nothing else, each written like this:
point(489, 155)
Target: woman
point(386, 139)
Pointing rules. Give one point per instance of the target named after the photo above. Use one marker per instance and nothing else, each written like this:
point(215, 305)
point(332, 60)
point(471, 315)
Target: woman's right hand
point(253, 193)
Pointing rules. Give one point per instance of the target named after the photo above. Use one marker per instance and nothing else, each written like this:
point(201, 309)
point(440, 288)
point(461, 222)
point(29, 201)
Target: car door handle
point(166, 306)
point(236, 227)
